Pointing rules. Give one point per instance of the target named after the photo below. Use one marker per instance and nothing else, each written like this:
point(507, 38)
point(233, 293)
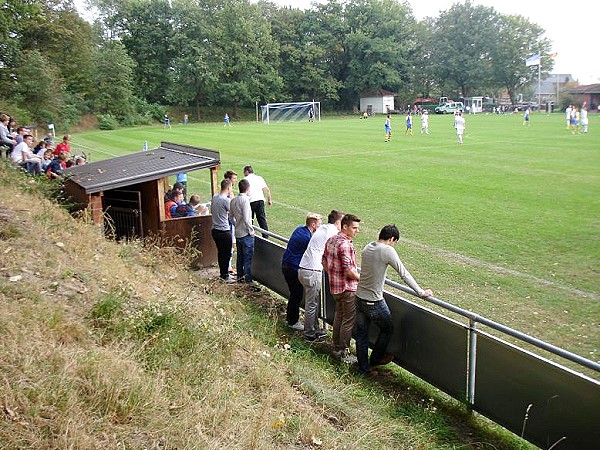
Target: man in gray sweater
point(370, 305)
point(241, 217)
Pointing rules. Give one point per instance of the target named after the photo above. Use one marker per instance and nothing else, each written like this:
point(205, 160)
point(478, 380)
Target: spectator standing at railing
point(241, 216)
point(221, 230)
point(370, 305)
point(339, 261)
point(310, 274)
point(289, 267)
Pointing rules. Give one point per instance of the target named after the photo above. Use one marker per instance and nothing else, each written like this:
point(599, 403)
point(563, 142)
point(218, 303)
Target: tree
point(247, 55)
point(520, 39)
point(113, 77)
point(380, 45)
point(195, 66)
point(38, 88)
point(462, 46)
point(144, 27)
point(303, 71)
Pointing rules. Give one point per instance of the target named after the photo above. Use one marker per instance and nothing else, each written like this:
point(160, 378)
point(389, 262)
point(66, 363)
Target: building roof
point(586, 89)
point(377, 93)
point(133, 168)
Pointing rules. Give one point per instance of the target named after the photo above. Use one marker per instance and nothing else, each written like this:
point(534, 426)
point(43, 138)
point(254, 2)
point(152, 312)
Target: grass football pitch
point(506, 225)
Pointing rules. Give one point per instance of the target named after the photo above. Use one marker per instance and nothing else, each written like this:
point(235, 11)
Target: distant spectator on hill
point(6, 139)
point(64, 146)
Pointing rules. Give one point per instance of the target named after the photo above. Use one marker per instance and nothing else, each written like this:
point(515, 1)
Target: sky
point(571, 27)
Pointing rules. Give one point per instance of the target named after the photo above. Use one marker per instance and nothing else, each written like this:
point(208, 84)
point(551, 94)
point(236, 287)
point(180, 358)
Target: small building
point(473, 105)
point(588, 93)
point(126, 195)
point(378, 101)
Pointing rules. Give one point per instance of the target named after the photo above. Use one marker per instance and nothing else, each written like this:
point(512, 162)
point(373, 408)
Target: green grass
point(505, 225)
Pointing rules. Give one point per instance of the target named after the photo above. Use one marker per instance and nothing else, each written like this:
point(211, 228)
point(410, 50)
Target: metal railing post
point(472, 362)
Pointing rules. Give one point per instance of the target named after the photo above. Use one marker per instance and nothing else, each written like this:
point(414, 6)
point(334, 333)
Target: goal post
point(294, 111)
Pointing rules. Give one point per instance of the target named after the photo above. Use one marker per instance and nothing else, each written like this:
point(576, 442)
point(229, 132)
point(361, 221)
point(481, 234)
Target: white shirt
point(17, 153)
point(316, 246)
point(459, 123)
point(257, 184)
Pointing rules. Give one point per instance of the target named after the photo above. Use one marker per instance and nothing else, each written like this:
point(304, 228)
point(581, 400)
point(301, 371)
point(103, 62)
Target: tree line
point(140, 56)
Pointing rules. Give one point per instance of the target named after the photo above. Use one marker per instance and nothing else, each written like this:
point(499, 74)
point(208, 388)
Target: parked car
point(449, 107)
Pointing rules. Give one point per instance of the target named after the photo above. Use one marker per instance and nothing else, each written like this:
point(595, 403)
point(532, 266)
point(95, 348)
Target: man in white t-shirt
point(310, 274)
point(23, 156)
point(258, 191)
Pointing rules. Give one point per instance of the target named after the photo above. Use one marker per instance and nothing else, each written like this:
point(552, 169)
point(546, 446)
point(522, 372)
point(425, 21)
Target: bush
point(107, 122)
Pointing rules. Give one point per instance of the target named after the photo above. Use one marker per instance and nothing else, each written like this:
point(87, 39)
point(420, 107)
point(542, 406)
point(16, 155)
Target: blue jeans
point(379, 314)
point(245, 251)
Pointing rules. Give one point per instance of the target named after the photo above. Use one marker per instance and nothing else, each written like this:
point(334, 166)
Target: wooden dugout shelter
point(126, 194)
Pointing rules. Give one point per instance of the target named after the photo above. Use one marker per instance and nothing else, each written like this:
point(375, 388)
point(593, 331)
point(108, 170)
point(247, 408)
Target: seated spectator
point(63, 146)
point(23, 156)
point(183, 210)
point(170, 202)
point(199, 208)
point(177, 198)
point(47, 159)
point(79, 160)
point(6, 140)
point(57, 165)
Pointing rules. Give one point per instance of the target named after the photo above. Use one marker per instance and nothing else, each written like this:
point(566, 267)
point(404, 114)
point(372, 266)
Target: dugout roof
point(139, 167)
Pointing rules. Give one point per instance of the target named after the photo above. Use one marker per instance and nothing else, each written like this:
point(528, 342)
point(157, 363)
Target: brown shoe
point(385, 359)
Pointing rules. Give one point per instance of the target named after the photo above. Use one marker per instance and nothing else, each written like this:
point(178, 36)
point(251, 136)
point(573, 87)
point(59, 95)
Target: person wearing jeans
point(241, 217)
point(370, 304)
point(339, 262)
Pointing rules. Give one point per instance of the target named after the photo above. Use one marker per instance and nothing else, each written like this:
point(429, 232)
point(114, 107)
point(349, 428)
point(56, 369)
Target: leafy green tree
point(113, 77)
point(38, 88)
point(302, 66)
point(247, 55)
point(520, 39)
point(195, 66)
point(144, 27)
point(462, 47)
point(381, 44)
point(66, 40)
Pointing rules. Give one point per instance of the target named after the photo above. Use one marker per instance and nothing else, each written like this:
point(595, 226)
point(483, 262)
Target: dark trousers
point(296, 293)
point(379, 314)
point(258, 211)
point(223, 242)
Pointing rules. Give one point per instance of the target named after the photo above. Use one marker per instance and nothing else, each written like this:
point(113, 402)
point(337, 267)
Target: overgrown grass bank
point(108, 345)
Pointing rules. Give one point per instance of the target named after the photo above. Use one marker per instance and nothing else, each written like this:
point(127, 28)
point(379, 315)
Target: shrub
point(107, 122)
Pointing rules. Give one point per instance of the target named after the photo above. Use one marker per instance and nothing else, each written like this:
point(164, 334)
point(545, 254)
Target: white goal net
point(296, 111)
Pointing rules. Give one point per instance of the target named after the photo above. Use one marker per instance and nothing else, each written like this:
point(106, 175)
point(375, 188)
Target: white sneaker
point(298, 326)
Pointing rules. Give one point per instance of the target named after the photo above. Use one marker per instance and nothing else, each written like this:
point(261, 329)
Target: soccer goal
point(285, 112)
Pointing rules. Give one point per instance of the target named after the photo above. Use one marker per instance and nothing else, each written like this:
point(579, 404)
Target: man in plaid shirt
point(339, 261)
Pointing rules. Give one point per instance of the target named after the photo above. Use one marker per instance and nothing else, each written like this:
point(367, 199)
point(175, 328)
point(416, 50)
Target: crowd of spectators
point(37, 158)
